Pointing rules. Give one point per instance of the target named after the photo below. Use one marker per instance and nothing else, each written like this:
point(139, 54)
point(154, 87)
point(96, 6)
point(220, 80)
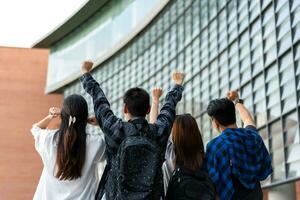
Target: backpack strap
point(141, 127)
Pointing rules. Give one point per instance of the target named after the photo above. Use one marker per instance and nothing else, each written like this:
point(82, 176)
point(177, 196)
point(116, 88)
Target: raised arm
point(168, 111)
point(242, 110)
point(108, 122)
point(53, 113)
point(156, 94)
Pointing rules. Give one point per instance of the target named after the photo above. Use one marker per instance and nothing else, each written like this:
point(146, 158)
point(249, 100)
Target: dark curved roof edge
point(81, 15)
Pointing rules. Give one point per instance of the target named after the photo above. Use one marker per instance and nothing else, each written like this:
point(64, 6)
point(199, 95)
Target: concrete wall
point(22, 102)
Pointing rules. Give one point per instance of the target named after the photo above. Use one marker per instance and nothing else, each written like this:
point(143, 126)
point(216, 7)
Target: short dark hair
point(137, 101)
point(222, 110)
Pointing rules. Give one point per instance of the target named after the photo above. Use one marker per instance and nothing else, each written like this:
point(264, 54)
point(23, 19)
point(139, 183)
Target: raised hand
point(156, 93)
point(54, 112)
point(86, 66)
point(178, 77)
point(233, 95)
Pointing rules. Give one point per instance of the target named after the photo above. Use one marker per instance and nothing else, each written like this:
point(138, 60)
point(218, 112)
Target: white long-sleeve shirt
point(51, 188)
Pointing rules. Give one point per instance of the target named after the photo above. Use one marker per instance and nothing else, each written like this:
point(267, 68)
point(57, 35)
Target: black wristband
point(241, 101)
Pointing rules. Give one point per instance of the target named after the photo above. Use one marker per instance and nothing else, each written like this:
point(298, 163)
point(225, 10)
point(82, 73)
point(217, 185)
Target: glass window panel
point(291, 129)
point(289, 103)
point(273, 105)
point(296, 32)
point(278, 170)
point(283, 28)
point(234, 84)
point(257, 66)
point(232, 35)
point(246, 90)
point(255, 27)
point(270, 41)
point(243, 24)
point(254, 9)
point(270, 55)
point(293, 169)
point(267, 14)
point(277, 138)
point(295, 12)
point(293, 153)
point(234, 72)
point(245, 75)
point(265, 136)
point(204, 13)
point(271, 72)
point(284, 43)
point(282, 11)
point(269, 28)
point(260, 113)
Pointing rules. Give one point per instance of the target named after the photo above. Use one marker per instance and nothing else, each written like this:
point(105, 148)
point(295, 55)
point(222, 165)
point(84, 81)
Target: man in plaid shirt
point(237, 160)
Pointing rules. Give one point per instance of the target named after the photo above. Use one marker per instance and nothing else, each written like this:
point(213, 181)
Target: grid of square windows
point(252, 46)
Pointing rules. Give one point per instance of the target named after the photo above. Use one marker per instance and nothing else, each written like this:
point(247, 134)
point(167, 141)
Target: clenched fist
point(54, 112)
point(156, 93)
point(178, 77)
point(233, 95)
point(86, 66)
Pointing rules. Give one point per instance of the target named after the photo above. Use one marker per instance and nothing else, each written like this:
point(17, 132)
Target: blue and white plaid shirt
point(238, 152)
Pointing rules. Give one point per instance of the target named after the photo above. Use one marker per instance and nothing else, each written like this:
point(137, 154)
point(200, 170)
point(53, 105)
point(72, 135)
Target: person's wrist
point(238, 101)
point(155, 100)
point(50, 116)
point(85, 72)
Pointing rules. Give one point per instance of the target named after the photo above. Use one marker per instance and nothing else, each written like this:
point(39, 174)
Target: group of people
point(164, 158)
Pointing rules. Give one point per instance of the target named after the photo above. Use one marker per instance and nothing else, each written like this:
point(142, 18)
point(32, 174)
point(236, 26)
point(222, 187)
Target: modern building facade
point(252, 46)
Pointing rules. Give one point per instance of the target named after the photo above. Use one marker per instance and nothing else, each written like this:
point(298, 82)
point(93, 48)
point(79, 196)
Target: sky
point(24, 22)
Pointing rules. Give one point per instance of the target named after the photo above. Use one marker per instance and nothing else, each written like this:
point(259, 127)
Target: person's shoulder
point(39, 132)
point(216, 139)
point(249, 129)
point(215, 142)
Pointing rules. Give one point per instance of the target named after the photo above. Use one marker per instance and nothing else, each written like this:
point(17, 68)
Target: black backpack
point(188, 185)
point(137, 163)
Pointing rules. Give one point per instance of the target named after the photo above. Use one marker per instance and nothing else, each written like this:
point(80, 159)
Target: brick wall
point(298, 190)
point(22, 102)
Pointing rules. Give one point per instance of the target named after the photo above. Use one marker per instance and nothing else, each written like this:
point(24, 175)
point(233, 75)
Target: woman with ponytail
point(69, 154)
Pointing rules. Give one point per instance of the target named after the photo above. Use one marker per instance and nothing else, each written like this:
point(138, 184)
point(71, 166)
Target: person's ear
point(125, 109)
point(218, 125)
point(149, 109)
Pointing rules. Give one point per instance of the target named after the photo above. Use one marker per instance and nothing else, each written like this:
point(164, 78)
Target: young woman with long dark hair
point(69, 154)
point(185, 175)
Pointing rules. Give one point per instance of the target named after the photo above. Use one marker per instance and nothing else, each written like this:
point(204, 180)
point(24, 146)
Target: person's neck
point(131, 118)
point(229, 126)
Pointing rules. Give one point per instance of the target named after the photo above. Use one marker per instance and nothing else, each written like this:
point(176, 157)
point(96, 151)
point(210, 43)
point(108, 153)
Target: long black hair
point(71, 135)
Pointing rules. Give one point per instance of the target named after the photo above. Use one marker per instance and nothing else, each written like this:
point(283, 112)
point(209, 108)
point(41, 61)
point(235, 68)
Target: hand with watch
point(244, 113)
point(234, 96)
